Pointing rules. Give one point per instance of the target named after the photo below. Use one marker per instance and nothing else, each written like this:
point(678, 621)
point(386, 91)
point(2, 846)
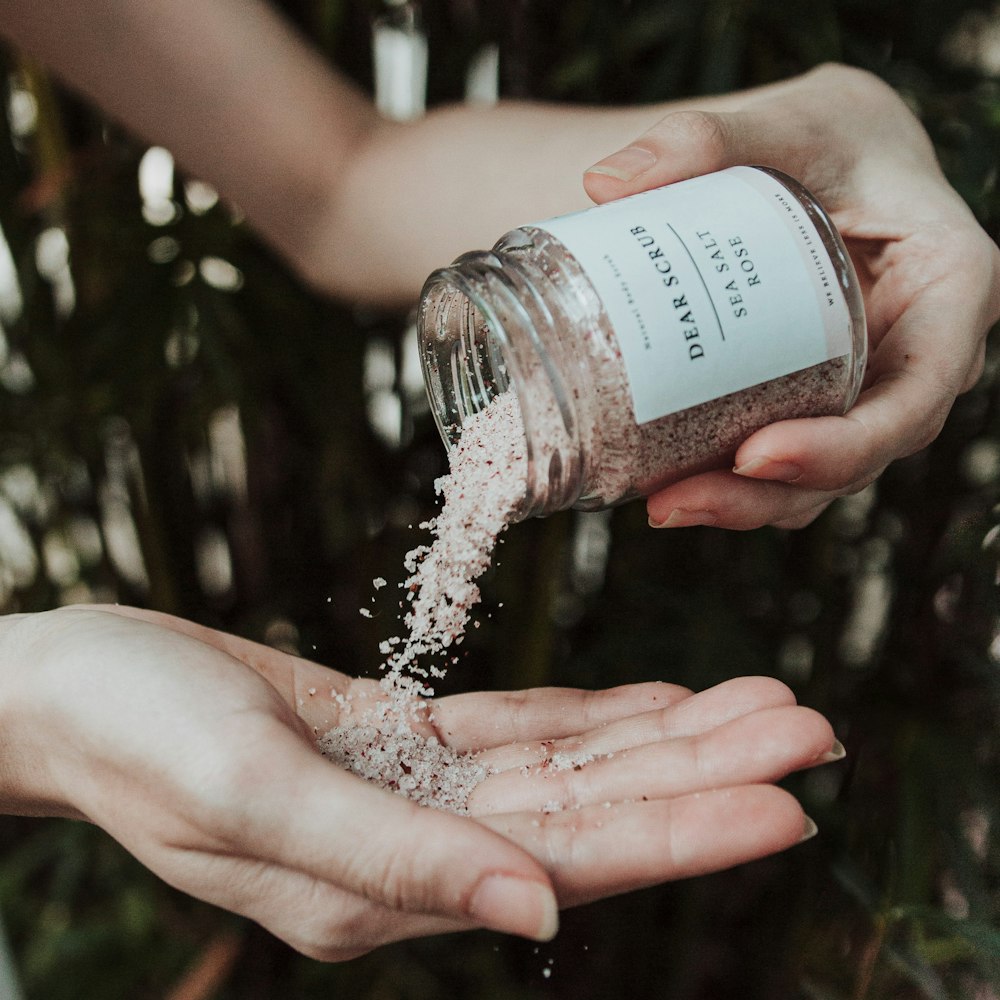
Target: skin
point(156, 729)
point(327, 173)
point(930, 278)
point(196, 750)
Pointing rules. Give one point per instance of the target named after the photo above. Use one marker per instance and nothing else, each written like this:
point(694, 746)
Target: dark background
point(120, 416)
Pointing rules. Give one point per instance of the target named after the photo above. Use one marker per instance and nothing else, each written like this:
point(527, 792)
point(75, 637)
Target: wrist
point(28, 739)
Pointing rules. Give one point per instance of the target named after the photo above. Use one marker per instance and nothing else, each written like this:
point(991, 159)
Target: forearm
point(417, 195)
point(362, 208)
point(230, 89)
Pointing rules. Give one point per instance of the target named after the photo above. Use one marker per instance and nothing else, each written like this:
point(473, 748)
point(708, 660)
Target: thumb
point(309, 815)
point(688, 144)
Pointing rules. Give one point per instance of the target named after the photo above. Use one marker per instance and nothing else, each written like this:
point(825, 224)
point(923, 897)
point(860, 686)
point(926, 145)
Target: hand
point(929, 274)
point(196, 750)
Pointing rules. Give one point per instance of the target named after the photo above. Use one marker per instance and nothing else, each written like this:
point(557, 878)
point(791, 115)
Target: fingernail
point(769, 468)
point(836, 752)
point(680, 518)
point(809, 829)
point(626, 164)
point(516, 906)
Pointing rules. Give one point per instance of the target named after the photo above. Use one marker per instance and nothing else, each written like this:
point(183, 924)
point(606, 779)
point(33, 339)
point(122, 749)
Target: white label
point(712, 285)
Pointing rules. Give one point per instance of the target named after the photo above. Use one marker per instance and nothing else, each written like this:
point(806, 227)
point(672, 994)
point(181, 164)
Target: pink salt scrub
point(383, 748)
point(531, 358)
point(481, 494)
point(604, 455)
point(647, 338)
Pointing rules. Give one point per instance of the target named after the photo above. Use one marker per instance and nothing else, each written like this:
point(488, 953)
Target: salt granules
point(481, 492)
point(384, 748)
point(623, 459)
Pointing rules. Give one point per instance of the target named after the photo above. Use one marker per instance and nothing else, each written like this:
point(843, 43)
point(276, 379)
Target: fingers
point(309, 817)
point(481, 720)
point(289, 807)
point(931, 279)
point(782, 125)
point(598, 851)
point(764, 746)
point(740, 503)
point(314, 917)
point(294, 809)
point(590, 852)
point(915, 375)
point(690, 143)
point(802, 520)
point(699, 713)
point(724, 500)
point(787, 472)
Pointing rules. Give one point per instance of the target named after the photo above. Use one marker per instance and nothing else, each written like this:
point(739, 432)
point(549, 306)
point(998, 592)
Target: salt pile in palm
point(393, 744)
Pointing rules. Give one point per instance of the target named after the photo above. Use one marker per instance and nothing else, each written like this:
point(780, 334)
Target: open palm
point(197, 751)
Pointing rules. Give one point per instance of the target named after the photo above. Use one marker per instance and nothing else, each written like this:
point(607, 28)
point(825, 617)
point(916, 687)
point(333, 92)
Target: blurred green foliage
point(114, 416)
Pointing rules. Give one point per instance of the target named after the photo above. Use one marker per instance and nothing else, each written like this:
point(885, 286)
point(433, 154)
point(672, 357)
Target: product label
point(712, 285)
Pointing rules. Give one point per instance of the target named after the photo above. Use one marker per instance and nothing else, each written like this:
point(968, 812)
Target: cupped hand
point(197, 751)
point(930, 278)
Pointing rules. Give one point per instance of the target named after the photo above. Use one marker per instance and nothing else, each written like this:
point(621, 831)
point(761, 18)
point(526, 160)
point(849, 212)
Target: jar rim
point(477, 368)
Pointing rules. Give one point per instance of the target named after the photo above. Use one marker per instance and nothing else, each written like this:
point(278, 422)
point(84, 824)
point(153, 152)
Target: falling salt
point(481, 492)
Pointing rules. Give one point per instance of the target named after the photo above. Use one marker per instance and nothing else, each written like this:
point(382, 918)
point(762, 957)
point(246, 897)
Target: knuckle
point(861, 483)
point(592, 706)
point(569, 789)
point(853, 84)
point(515, 704)
point(750, 521)
point(853, 473)
point(992, 260)
point(664, 727)
point(929, 429)
point(703, 129)
point(799, 521)
point(962, 249)
point(857, 88)
point(976, 369)
point(397, 884)
point(926, 437)
point(335, 942)
point(773, 692)
point(340, 939)
point(842, 76)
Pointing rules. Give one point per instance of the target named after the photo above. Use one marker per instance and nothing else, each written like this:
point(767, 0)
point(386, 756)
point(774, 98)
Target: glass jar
point(647, 338)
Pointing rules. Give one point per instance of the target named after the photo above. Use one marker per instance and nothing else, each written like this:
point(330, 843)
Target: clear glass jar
point(600, 325)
